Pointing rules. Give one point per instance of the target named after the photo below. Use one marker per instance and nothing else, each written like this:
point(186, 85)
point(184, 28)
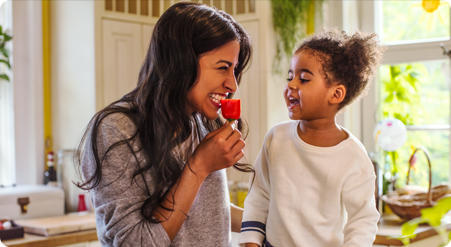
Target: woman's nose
point(231, 83)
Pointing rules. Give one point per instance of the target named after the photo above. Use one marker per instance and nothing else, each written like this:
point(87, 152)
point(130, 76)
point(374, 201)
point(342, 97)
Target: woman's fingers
point(227, 130)
point(237, 150)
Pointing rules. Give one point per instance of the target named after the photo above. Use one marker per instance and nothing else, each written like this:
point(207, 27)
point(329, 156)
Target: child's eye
point(304, 80)
point(289, 79)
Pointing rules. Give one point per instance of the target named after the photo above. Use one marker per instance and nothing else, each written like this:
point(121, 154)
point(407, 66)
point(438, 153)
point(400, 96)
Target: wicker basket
point(408, 210)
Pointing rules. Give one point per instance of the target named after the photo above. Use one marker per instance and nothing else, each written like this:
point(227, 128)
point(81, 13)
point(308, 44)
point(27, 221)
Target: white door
point(146, 34)
point(122, 58)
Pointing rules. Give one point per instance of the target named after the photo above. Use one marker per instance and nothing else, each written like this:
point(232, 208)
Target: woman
point(154, 160)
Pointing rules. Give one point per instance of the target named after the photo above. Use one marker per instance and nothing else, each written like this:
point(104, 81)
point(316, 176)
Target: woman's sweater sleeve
point(358, 198)
point(118, 198)
point(256, 205)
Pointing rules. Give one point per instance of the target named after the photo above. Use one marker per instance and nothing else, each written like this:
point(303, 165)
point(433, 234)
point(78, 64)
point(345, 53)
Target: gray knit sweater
point(118, 198)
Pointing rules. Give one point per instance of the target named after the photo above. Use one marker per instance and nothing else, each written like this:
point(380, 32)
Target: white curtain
point(7, 157)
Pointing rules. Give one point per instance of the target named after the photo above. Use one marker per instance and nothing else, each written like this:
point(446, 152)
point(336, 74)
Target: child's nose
point(292, 85)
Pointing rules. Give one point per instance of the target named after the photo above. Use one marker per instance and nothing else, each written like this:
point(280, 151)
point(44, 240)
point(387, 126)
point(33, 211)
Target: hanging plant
point(292, 20)
point(4, 53)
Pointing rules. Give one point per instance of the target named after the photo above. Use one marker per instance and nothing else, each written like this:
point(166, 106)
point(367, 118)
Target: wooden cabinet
point(124, 48)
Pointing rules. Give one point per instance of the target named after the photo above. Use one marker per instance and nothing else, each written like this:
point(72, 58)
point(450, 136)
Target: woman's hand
point(220, 149)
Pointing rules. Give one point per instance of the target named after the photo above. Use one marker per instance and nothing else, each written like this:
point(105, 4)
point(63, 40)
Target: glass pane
point(108, 4)
point(132, 6)
point(416, 93)
point(229, 6)
point(167, 4)
point(240, 7)
point(144, 7)
point(415, 21)
point(156, 8)
point(217, 4)
point(252, 6)
point(120, 5)
point(437, 143)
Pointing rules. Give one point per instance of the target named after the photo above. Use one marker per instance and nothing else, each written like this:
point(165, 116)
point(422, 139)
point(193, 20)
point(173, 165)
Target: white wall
point(28, 84)
point(276, 109)
point(72, 70)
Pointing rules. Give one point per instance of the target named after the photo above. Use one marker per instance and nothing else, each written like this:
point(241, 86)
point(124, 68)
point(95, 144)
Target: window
point(413, 83)
point(7, 158)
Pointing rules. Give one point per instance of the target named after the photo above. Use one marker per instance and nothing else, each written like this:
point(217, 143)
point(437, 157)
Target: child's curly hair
point(346, 60)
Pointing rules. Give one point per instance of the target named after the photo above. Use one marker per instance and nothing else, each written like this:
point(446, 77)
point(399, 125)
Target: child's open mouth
point(293, 102)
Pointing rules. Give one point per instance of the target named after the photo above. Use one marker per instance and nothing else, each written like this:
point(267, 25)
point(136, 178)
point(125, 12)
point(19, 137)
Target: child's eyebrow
point(302, 70)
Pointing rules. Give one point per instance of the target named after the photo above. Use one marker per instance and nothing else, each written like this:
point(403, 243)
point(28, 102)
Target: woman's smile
point(216, 99)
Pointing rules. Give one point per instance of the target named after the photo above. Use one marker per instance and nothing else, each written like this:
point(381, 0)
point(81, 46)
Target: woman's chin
point(211, 116)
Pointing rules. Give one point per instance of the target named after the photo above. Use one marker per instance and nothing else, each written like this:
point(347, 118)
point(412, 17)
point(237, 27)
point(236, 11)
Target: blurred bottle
point(241, 193)
point(81, 203)
point(50, 174)
point(232, 191)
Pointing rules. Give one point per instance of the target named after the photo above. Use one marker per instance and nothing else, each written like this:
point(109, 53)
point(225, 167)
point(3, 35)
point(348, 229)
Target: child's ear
point(339, 93)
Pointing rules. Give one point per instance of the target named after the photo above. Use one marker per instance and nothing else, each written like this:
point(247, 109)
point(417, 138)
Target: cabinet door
point(146, 34)
point(122, 58)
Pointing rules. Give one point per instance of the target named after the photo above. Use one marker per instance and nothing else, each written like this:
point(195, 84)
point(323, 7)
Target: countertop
point(31, 240)
point(389, 226)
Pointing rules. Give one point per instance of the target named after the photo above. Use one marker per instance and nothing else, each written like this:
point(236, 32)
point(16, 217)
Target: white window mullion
point(7, 158)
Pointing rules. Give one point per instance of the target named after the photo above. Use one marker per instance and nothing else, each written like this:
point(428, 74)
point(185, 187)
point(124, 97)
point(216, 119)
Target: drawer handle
point(23, 202)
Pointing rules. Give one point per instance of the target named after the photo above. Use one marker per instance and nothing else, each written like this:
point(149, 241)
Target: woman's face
point(215, 80)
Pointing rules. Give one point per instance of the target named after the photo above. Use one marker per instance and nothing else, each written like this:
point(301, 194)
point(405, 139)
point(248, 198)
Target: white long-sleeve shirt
point(309, 196)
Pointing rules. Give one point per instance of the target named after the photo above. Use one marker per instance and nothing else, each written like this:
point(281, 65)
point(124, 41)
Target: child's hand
point(220, 149)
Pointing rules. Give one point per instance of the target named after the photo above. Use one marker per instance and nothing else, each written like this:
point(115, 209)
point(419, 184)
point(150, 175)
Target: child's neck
point(321, 133)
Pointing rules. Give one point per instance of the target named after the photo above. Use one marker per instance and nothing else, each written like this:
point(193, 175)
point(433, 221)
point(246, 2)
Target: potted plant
point(292, 21)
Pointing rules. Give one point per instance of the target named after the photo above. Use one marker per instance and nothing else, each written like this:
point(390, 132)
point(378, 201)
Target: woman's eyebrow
point(224, 61)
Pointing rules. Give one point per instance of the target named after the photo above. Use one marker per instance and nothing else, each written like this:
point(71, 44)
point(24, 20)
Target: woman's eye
point(223, 68)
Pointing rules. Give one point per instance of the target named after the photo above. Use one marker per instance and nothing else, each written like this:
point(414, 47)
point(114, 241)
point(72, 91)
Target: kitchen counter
point(390, 225)
point(31, 240)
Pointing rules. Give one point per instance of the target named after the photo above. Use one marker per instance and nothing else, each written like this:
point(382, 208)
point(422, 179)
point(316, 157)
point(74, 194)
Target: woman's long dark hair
point(157, 106)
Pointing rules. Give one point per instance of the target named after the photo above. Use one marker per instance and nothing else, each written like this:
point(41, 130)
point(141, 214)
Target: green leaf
point(4, 77)
point(409, 227)
point(1, 30)
point(5, 52)
point(435, 214)
point(7, 37)
point(5, 62)
point(389, 98)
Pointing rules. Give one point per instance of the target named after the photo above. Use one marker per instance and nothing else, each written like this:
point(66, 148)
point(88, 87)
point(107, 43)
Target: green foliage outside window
point(417, 94)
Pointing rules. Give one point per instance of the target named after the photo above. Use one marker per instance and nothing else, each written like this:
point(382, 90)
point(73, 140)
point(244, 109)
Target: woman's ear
point(339, 93)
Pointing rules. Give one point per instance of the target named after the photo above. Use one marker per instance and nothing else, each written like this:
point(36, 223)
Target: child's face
point(307, 93)
point(215, 80)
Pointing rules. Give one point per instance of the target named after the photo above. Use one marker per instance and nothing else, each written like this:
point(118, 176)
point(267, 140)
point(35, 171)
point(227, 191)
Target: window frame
point(395, 54)
point(28, 92)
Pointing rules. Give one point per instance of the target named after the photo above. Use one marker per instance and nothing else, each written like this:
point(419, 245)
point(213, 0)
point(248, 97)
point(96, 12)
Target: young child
point(314, 183)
